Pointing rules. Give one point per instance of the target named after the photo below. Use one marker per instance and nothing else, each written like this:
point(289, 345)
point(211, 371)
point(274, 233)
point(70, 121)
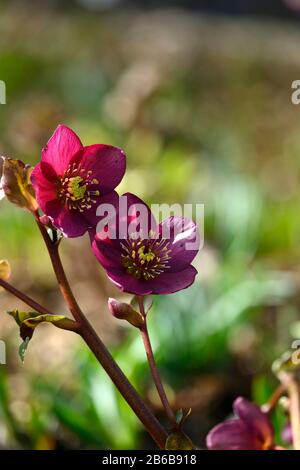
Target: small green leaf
point(23, 348)
point(286, 363)
point(182, 416)
point(19, 317)
point(179, 416)
point(28, 321)
point(58, 320)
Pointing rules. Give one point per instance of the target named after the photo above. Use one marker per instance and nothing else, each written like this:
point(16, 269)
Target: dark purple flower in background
point(72, 180)
point(293, 5)
point(250, 430)
point(148, 263)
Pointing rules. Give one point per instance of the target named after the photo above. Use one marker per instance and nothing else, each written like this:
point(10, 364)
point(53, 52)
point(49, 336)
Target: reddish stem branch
point(96, 345)
point(27, 300)
point(153, 367)
point(273, 400)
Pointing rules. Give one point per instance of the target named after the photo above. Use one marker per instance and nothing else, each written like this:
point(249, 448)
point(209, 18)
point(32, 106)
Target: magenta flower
point(146, 261)
point(250, 430)
point(72, 180)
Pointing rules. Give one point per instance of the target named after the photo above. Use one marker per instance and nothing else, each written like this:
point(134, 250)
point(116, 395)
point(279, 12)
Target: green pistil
point(145, 257)
point(143, 263)
point(76, 189)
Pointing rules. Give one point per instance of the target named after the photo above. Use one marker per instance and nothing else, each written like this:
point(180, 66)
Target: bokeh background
point(198, 93)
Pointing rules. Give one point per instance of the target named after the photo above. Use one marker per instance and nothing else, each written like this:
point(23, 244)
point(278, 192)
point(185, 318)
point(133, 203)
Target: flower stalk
point(96, 345)
point(273, 400)
point(292, 388)
point(153, 367)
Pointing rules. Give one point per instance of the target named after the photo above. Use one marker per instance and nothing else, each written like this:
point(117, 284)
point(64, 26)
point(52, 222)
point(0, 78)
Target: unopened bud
point(15, 183)
point(5, 270)
point(2, 194)
point(124, 311)
point(179, 441)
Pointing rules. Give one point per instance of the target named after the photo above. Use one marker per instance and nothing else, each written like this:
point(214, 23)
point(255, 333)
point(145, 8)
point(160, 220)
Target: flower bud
point(5, 270)
point(124, 311)
point(15, 183)
point(179, 441)
point(2, 194)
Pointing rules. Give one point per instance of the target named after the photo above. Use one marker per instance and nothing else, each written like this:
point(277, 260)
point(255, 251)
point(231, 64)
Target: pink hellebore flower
point(72, 180)
point(146, 262)
point(250, 430)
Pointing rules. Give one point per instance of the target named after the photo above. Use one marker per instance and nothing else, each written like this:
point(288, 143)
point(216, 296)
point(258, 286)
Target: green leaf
point(182, 416)
point(179, 416)
point(28, 321)
point(58, 320)
point(288, 362)
point(19, 317)
point(23, 348)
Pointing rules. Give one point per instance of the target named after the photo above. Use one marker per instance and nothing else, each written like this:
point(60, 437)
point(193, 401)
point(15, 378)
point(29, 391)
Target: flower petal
point(230, 435)
point(60, 149)
point(128, 283)
point(169, 282)
point(106, 251)
point(107, 164)
point(185, 238)
point(91, 214)
point(44, 189)
point(140, 217)
point(255, 420)
point(109, 257)
point(70, 223)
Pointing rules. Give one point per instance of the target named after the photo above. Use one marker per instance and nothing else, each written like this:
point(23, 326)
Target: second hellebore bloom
point(144, 262)
point(72, 180)
point(250, 430)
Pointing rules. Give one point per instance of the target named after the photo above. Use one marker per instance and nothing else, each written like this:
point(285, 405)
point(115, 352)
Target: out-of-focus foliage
point(202, 108)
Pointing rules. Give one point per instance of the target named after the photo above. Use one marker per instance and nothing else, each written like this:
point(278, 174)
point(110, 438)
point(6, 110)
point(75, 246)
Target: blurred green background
point(201, 105)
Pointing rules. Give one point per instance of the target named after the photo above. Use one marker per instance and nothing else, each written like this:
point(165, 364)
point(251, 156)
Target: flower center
point(145, 259)
point(75, 189)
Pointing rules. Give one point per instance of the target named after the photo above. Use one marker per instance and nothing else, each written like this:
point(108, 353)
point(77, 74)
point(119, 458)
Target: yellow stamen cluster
point(76, 188)
point(73, 189)
point(145, 259)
